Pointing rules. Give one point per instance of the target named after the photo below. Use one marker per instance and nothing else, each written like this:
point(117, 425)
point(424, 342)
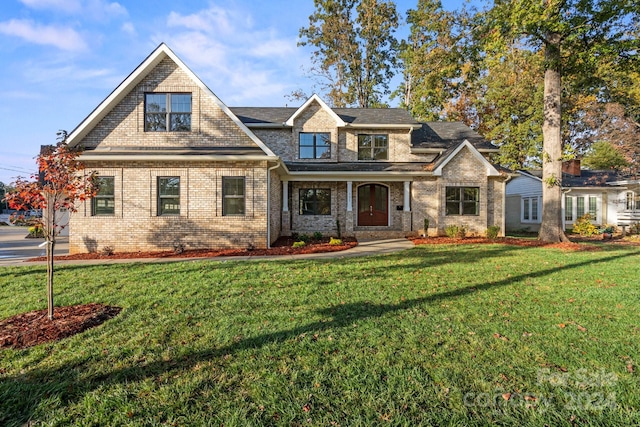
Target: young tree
point(603, 155)
point(62, 183)
point(355, 48)
point(574, 36)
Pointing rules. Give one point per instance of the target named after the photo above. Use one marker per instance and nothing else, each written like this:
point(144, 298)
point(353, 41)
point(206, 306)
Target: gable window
point(103, 203)
point(168, 195)
point(530, 209)
point(373, 147)
point(462, 201)
point(233, 200)
point(568, 208)
point(167, 112)
point(315, 201)
point(315, 145)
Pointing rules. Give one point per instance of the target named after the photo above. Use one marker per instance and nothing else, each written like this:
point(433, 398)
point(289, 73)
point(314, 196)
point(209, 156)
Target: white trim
point(381, 126)
point(323, 105)
point(90, 155)
point(529, 200)
point(124, 88)
point(491, 171)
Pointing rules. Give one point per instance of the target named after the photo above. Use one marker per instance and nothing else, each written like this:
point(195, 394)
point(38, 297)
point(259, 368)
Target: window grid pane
point(462, 201)
point(315, 145)
point(568, 208)
point(315, 201)
point(169, 195)
point(580, 206)
point(167, 112)
point(593, 207)
point(534, 208)
point(104, 201)
point(233, 197)
point(373, 147)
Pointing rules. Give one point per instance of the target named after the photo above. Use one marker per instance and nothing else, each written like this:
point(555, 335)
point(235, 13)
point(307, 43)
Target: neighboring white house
point(606, 195)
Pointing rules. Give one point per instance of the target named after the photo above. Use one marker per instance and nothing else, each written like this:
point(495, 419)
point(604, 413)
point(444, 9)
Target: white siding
point(525, 186)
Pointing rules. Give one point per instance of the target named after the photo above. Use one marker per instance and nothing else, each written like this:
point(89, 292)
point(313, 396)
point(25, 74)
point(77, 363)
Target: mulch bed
point(569, 246)
point(33, 328)
point(283, 246)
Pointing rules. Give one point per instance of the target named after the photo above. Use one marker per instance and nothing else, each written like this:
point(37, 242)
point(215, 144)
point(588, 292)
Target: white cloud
point(68, 6)
point(242, 64)
point(96, 9)
point(128, 28)
point(64, 38)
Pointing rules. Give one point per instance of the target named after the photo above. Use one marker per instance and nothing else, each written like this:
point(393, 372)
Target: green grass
point(431, 336)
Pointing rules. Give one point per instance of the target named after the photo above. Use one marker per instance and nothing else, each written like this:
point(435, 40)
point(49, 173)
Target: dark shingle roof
point(446, 135)
point(358, 167)
point(356, 116)
point(590, 178)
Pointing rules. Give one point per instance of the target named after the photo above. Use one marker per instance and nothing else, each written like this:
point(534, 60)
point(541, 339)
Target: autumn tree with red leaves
point(62, 182)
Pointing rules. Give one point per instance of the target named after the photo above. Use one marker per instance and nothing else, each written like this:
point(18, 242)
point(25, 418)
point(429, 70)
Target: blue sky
point(61, 58)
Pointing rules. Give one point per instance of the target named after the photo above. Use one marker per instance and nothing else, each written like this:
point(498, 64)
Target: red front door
point(373, 205)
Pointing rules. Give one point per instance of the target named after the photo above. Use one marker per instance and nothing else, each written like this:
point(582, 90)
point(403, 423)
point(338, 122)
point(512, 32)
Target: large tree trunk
point(551, 227)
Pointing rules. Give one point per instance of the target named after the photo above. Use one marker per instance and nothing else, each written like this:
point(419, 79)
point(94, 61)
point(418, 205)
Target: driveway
point(15, 248)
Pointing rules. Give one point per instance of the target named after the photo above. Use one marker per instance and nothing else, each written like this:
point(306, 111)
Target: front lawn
point(436, 335)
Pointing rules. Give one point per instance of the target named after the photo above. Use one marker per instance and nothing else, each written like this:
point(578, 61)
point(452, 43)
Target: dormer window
point(315, 145)
point(167, 112)
point(373, 147)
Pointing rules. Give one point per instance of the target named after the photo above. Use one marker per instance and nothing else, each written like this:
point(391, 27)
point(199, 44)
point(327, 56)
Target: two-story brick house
point(179, 167)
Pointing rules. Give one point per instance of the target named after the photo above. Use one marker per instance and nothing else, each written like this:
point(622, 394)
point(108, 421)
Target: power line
point(16, 170)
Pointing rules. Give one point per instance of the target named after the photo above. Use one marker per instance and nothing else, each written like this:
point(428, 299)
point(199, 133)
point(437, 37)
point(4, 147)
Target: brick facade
point(136, 225)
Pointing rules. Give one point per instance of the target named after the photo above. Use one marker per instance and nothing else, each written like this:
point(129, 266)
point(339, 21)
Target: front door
point(373, 205)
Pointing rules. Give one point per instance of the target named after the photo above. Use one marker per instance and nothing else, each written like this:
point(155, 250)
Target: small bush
point(493, 231)
point(35, 231)
point(299, 244)
point(107, 251)
point(317, 235)
point(304, 238)
point(634, 228)
point(455, 231)
point(584, 227)
point(335, 242)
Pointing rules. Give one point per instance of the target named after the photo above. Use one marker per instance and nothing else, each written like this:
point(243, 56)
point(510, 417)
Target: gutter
point(176, 157)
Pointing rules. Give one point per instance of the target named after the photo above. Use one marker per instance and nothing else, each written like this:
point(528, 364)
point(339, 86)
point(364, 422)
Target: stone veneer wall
point(137, 227)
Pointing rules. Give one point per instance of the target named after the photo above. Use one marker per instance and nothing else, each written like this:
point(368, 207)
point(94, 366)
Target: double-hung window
point(315, 201)
point(462, 201)
point(167, 112)
point(530, 209)
point(168, 195)
point(315, 145)
point(568, 208)
point(103, 203)
point(233, 195)
point(373, 147)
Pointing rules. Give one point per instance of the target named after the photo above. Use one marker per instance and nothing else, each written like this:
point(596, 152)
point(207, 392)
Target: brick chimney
point(571, 167)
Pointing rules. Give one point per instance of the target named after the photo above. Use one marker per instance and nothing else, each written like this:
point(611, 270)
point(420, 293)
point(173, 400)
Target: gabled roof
point(452, 152)
point(356, 117)
point(129, 83)
point(587, 178)
point(323, 105)
point(446, 135)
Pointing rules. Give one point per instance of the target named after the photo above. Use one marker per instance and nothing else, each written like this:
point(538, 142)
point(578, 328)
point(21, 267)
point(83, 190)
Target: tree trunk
point(50, 247)
point(551, 227)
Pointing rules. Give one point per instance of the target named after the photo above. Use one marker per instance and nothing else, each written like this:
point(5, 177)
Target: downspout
point(277, 165)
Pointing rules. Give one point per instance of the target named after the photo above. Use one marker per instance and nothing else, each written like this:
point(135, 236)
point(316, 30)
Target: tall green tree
point(604, 155)
point(435, 59)
point(354, 49)
point(574, 36)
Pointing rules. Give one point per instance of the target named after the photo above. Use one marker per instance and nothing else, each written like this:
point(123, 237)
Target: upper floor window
point(373, 147)
point(315, 201)
point(167, 112)
point(233, 200)
point(315, 145)
point(103, 203)
point(463, 201)
point(168, 195)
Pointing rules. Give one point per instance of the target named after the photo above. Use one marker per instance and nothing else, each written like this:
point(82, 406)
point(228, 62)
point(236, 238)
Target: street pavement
point(15, 248)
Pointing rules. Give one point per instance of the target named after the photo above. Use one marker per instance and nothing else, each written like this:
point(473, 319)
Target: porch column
point(349, 226)
point(286, 215)
point(406, 214)
point(285, 196)
point(407, 196)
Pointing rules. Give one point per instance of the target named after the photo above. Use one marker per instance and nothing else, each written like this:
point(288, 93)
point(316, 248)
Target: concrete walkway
point(14, 251)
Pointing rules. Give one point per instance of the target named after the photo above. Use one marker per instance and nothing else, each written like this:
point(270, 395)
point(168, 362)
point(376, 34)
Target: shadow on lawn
point(21, 394)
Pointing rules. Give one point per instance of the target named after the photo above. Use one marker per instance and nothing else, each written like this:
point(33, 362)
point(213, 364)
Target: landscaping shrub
point(335, 241)
point(634, 228)
point(35, 231)
point(317, 235)
point(299, 244)
point(584, 227)
point(455, 231)
point(492, 232)
point(304, 238)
